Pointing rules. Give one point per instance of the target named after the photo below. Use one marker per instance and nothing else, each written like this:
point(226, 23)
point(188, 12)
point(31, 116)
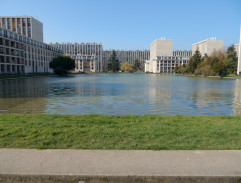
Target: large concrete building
point(208, 46)
point(22, 55)
point(127, 56)
point(161, 47)
point(90, 57)
point(25, 25)
point(236, 47)
point(239, 54)
point(185, 54)
point(87, 56)
point(162, 57)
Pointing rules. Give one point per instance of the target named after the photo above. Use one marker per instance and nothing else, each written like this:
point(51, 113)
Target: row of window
point(173, 61)
point(11, 69)
point(182, 53)
point(13, 52)
point(8, 43)
point(9, 22)
point(78, 48)
point(23, 39)
point(166, 68)
point(165, 65)
point(15, 60)
point(36, 53)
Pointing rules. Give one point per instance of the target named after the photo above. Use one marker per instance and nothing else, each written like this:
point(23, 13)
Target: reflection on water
point(121, 94)
point(22, 105)
point(237, 98)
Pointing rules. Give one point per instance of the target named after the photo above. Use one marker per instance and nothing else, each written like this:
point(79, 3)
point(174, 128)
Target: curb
point(116, 179)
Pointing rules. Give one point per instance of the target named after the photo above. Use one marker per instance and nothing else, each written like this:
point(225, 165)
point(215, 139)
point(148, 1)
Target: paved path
point(120, 162)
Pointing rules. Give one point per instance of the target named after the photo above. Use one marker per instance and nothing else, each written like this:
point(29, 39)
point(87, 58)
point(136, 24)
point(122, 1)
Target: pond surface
point(121, 94)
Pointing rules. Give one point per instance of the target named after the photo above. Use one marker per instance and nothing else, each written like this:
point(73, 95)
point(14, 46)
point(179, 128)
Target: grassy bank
point(119, 132)
point(201, 76)
point(24, 76)
point(232, 76)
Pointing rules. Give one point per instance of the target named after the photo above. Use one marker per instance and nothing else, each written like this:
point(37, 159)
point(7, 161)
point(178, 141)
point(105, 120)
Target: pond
point(121, 94)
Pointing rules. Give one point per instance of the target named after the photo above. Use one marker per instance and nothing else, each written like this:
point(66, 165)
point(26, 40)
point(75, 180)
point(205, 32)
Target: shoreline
point(2, 77)
point(74, 73)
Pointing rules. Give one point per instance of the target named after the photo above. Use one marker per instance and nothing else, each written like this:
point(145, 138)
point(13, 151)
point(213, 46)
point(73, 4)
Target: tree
point(219, 68)
point(231, 60)
point(177, 69)
point(194, 61)
point(231, 49)
point(214, 61)
point(214, 64)
point(62, 64)
point(114, 64)
point(126, 67)
point(137, 65)
point(219, 63)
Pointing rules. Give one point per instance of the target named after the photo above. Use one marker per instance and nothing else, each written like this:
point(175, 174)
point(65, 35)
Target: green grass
point(233, 76)
point(23, 76)
point(120, 132)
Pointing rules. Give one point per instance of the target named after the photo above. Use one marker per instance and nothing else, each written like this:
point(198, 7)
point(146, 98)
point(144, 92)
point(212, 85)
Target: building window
point(9, 23)
point(24, 31)
point(4, 22)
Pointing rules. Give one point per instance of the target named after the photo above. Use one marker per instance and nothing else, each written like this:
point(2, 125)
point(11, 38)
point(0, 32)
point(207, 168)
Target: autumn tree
point(213, 65)
point(126, 67)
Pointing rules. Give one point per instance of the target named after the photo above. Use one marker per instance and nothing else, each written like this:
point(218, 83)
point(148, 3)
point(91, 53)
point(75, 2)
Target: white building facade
point(239, 54)
point(166, 64)
point(127, 56)
point(25, 25)
point(162, 57)
point(185, 54)
point(236, 47)
point(159, 47)
point(22, 55)
point(85, 63)
point(87, 56)
point(208, 46)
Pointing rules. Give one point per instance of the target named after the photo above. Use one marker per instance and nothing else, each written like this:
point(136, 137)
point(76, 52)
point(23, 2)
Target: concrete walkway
point(218, 165)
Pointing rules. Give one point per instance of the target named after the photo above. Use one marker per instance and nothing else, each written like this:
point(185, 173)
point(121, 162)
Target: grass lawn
point(233, 76)
point(120, 132)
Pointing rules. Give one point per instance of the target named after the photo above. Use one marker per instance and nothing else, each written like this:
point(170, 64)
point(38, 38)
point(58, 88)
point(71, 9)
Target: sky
point(132, 24)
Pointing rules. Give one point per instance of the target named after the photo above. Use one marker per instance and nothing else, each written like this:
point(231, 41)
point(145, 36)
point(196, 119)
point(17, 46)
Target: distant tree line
point(219, 63)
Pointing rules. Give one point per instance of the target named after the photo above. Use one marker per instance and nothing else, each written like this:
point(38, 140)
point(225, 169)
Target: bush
point(62, 64)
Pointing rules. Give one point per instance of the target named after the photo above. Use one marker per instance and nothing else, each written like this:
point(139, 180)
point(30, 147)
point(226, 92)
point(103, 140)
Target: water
point(121, 94)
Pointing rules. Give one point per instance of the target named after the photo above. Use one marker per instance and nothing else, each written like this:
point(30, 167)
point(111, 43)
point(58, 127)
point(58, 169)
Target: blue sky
point(132, 24)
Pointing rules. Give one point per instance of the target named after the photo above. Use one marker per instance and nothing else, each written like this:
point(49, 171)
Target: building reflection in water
point(237, 97)
point(85, 96)
point(121, 94)
point(190, 96)
point(23, 95)
point(159, 93)
point(214, 96)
